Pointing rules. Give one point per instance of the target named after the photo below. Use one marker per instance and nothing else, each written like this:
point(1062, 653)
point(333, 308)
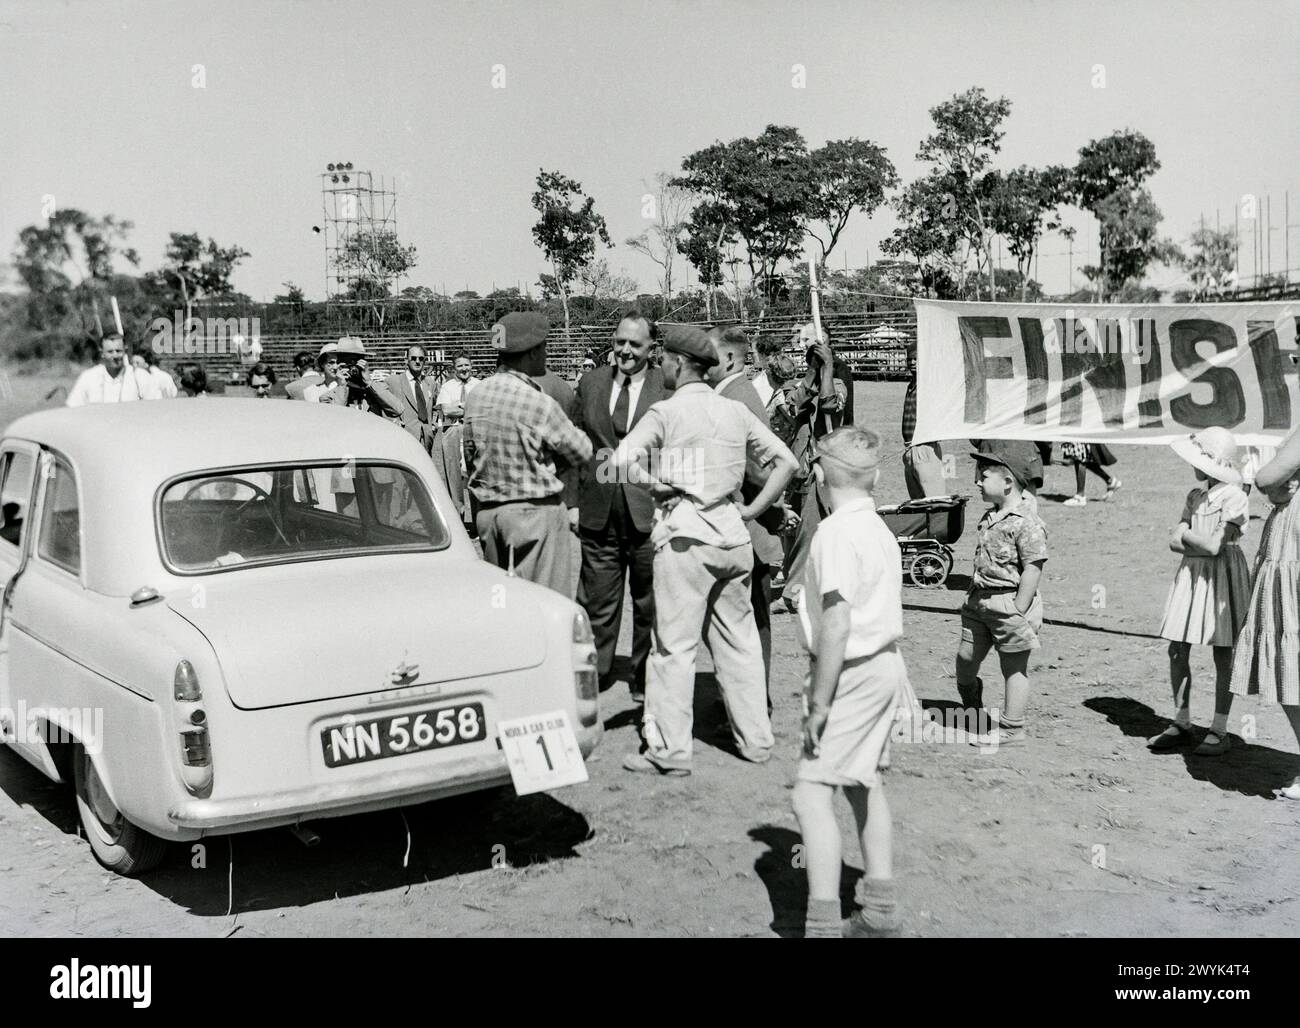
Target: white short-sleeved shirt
point(95, 385)
point(854, 554)
point(454, 392)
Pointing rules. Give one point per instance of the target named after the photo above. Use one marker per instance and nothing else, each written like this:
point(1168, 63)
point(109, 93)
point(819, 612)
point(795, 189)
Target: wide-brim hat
point(351, 346)
point(1212, 450)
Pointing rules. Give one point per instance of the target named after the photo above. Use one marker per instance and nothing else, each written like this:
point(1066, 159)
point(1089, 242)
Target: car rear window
point(231, 518)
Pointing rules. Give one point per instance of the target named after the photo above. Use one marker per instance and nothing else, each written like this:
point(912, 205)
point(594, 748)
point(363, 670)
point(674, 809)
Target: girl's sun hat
point(1212, 450)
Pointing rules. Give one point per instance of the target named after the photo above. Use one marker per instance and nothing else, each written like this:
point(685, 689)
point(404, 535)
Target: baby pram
point(924, 529)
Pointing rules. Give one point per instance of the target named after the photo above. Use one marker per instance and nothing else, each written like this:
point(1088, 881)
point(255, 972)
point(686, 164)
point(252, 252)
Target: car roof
point(163, 438)
point(123, 452)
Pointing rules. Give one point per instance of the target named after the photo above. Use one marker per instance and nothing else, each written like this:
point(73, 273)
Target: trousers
point(607, 555)
point(923, 470)
point(811, 513)
point(533, 538)
point(704, 590)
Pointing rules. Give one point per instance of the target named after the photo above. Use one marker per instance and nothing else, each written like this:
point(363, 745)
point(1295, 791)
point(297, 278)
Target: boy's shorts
point(991, 618)
point(855, 745)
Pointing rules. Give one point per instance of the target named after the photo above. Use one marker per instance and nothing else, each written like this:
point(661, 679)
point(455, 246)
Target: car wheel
point(116, 843)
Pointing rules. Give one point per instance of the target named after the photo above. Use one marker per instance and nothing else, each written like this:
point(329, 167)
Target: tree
point(1122, 160)
point(1025, 205)
point(967, 135)
point(566, 232)
point(1129, 222)
point(371, 263)
point(67, 264)
point(598, 282)
point(707, 237)
point(759, 190)
point(660, 241)
point(930, 232)
point(292, 295)
point(1212, 262)
point(1108, 182)
point(198, 270)
point(846, 175)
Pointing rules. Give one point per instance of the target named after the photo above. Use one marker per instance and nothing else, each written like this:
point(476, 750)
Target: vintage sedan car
point(225, 615)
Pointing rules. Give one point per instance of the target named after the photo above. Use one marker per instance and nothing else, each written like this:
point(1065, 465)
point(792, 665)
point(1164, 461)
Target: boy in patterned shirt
point(1003, 610)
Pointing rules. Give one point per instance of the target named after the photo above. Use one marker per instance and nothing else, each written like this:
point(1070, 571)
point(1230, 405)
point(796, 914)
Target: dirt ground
point(1079, 832)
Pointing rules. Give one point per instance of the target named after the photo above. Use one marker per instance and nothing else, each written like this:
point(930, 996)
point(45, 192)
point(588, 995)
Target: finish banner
point(1141, 373)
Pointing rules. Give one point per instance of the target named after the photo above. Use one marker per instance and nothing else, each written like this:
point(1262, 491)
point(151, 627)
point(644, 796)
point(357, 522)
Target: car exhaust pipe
point(305, 835)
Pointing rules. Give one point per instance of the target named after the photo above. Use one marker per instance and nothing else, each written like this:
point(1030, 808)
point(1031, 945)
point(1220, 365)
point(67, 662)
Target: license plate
point(355, 742)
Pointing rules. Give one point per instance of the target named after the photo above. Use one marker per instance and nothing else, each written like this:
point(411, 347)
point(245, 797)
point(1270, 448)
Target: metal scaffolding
point(359, 216)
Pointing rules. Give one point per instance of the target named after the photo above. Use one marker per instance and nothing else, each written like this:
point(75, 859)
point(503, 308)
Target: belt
point(537, 501)
point(991, 589)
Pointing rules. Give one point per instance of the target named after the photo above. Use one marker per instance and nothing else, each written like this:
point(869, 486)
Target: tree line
point(741, 214)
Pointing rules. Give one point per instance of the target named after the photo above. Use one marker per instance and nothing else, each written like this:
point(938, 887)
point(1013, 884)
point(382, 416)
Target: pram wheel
point(929, 568)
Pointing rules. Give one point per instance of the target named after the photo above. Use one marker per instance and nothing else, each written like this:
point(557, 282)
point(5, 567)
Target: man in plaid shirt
point(514, 436)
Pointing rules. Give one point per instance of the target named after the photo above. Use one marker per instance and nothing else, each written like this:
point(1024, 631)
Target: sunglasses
point(414, 360)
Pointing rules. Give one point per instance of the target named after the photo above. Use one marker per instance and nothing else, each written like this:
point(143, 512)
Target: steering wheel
point(258, 494)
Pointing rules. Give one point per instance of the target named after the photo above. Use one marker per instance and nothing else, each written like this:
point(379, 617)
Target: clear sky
point(98, 109)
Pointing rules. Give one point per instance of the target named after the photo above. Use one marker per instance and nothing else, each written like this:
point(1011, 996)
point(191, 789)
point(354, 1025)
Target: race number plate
point(542, 752)
point(354, 742)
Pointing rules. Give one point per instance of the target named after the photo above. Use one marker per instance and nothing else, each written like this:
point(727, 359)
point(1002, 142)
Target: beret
point(519, 332)
point(690, 342)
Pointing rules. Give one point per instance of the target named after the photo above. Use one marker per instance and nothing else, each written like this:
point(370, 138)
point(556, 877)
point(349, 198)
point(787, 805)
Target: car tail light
point(192, 726)
point(195, 749)
point(186, 683)
point(585, 673)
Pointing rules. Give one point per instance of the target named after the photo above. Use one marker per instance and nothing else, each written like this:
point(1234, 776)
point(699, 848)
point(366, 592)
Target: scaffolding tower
point(356, 212)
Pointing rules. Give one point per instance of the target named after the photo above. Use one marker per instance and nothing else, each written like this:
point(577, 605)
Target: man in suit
point(615, 518)
point(728, 379)
point(413, 397)
point(305, 365)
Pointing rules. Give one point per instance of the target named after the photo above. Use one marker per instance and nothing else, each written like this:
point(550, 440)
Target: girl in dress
point(1208, 601)
point(1267, 663)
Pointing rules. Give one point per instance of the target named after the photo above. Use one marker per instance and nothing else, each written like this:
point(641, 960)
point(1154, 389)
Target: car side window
point(59, 540)
point(17, 469)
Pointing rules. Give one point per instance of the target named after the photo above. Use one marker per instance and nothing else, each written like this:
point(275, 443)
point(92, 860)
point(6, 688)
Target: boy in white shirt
point(851, 616)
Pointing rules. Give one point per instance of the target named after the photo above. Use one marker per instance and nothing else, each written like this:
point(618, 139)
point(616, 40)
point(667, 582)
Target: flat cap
point(519, 332)
point(1016, 463)
point(690, 342)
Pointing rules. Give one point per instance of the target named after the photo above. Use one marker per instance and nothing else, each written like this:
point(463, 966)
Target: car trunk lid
point(333, 629)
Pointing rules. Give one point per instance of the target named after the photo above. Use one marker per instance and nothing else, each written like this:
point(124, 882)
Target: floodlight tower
point(358, 214)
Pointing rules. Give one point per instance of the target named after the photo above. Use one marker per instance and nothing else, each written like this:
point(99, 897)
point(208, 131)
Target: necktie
point(421, 404)
point(622, 408)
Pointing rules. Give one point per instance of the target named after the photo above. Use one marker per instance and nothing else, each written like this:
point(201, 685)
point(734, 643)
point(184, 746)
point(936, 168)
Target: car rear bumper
point(386, 787)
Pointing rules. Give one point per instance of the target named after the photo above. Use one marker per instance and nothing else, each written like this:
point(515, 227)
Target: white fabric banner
point(1106, 372)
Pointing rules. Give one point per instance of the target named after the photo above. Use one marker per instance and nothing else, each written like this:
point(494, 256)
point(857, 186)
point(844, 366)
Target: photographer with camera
point(348, 382)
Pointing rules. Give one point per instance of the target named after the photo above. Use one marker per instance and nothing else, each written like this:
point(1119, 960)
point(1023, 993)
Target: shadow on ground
point(781, 871)
point(1248, 769)
point(359, 854)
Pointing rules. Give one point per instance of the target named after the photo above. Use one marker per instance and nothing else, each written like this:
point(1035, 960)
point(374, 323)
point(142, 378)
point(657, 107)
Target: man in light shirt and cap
point(696, 445)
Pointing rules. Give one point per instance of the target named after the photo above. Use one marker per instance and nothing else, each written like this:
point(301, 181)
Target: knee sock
point(1220, 725)
point(822, 920)
point(879, 911)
